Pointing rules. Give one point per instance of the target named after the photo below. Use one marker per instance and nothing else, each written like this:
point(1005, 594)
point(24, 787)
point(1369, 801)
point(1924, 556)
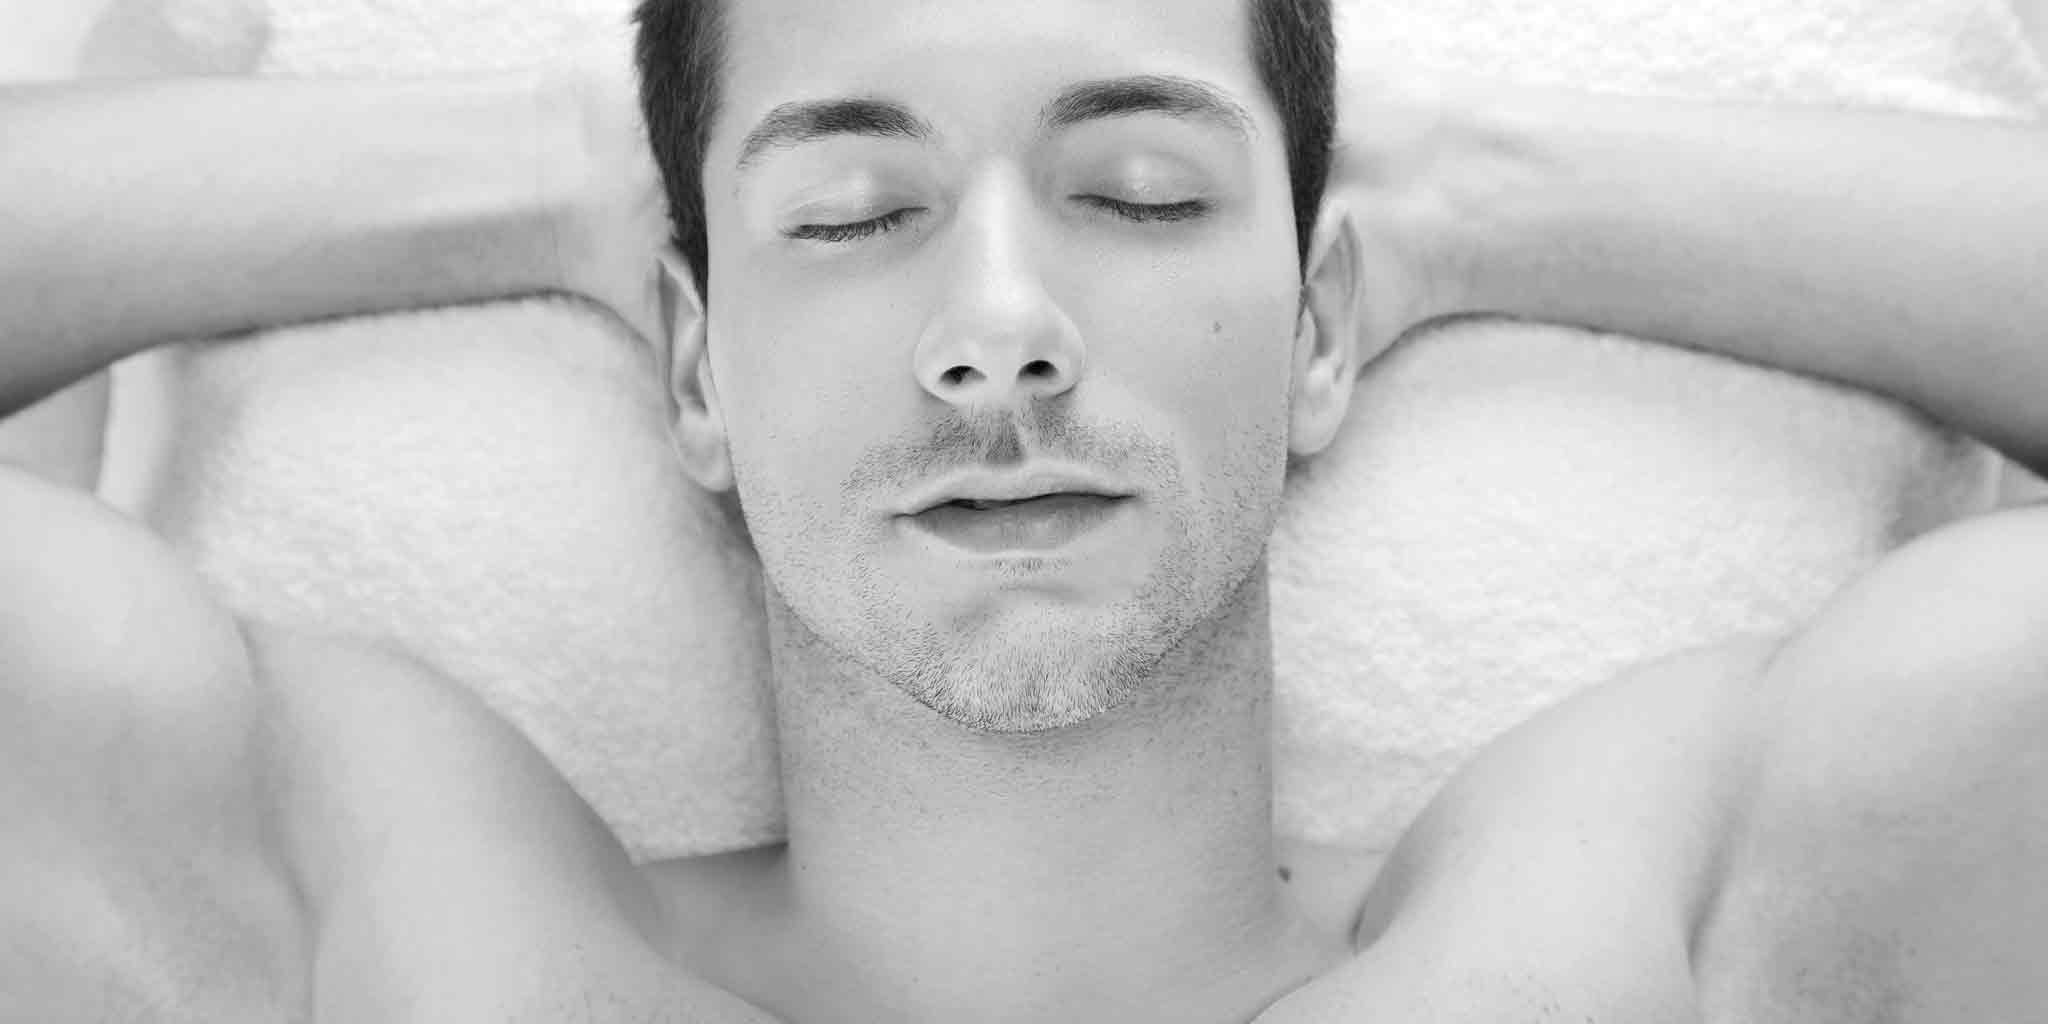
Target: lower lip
point(1035, 526)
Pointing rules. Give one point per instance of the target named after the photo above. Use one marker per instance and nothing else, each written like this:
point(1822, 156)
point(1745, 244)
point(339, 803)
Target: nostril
point(1040, 368)
point(959, 375)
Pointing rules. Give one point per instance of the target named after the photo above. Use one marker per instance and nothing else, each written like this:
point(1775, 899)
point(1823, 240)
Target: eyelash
point(852, 232)
point(1143, 213)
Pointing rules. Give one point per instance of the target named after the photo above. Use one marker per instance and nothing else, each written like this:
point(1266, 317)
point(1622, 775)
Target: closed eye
point(1148, 212)
point(853, 232)
point(1143, 213)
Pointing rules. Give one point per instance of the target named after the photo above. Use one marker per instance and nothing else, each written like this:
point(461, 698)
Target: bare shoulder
point(214, 820)
point(131, 780)
point(1892, 861)
point(128, 686)
point(116, 655)
point(384, 762)
point(1563, 870)
point(90, 602)
point(452, 873)
point(1849, 823)
point(1920, 678)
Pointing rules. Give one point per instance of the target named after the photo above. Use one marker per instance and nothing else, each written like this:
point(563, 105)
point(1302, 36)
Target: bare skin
point(222, 822)
point(61, 437)
point(1774, 831)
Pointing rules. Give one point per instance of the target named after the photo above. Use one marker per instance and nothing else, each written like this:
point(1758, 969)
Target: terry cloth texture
point(1513, 512)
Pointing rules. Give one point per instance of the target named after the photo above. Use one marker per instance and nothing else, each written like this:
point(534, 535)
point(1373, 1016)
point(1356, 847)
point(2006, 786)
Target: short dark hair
point(681, 53)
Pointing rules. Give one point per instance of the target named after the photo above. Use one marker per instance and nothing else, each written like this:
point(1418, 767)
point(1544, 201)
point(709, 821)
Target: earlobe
point(696, 421)
point(1328, 346)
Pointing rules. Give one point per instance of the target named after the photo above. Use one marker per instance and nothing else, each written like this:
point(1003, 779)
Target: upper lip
point(1015, 485)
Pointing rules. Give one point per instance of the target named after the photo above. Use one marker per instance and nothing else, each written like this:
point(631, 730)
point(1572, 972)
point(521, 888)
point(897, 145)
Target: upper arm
point(1923, 671)
point(137, 873)
point(432, 842)
point(1756, 814)
point(114, 657)
point(452, 872)
point(173, 782)
point(1895, 839)
point(1563, 869)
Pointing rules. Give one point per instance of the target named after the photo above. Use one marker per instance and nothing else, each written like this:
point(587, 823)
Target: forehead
point(967, 62)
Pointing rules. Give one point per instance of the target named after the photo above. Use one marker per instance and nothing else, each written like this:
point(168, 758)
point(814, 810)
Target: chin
point(1001, 676)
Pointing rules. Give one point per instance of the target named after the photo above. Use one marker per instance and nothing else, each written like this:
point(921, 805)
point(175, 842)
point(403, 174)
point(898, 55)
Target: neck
point(1122, 869)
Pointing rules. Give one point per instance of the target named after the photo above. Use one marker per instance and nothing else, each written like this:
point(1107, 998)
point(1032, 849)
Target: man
point(1003, 330)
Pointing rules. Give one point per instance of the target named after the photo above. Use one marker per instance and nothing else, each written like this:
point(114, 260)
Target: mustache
point(995, 438)
point(1002, 437)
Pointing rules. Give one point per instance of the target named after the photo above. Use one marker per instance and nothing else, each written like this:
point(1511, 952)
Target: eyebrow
point(1146, 94)
point(794, 124)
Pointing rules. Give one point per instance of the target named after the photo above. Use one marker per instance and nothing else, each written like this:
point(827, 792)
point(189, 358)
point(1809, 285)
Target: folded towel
point(1513, 512)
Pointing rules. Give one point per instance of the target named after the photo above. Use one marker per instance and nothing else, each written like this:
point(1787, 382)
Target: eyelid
point(1153, 191)
point(1149, 213)
point(844, 208)
point(849, 193)
point(1151, 166)
point(843, 232)
point(1149, 194)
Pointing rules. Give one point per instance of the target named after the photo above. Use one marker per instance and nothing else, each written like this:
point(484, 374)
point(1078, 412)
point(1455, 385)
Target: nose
point(998, 336)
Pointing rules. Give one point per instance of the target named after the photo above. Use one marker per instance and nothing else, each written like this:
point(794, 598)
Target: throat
point(1011, 939)
point(1118, 869)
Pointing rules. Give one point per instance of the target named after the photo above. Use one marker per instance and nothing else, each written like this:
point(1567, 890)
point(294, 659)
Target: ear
point(1329, 345)
point(696, 422)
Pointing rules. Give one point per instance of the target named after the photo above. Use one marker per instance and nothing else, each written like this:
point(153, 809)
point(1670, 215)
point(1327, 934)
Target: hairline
point(1307, 119)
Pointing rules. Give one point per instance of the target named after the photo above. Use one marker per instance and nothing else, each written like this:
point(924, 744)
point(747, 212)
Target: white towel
point(1513, 511)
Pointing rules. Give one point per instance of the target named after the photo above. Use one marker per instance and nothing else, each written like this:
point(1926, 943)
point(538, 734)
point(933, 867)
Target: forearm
point(1902, 254)
point(142, 212)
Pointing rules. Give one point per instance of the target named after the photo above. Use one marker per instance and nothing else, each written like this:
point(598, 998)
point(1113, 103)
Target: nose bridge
point(997, 333)
point(998, 210)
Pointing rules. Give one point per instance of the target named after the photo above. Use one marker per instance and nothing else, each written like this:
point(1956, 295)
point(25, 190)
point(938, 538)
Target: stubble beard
point(1006, 677)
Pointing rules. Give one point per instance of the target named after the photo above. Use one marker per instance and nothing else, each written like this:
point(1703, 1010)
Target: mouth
point(1025, 525)
point(992, 504)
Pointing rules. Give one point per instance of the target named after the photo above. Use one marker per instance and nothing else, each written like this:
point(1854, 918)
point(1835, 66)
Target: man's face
point(981, 251)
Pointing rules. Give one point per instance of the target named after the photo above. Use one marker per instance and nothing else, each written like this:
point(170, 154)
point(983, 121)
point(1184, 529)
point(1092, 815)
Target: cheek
point(816, 393)
point(1232, 404)
point(803, 385)
point(1212, 356)
point(1206, 331)
point(1243, 358)
point(765, 427)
